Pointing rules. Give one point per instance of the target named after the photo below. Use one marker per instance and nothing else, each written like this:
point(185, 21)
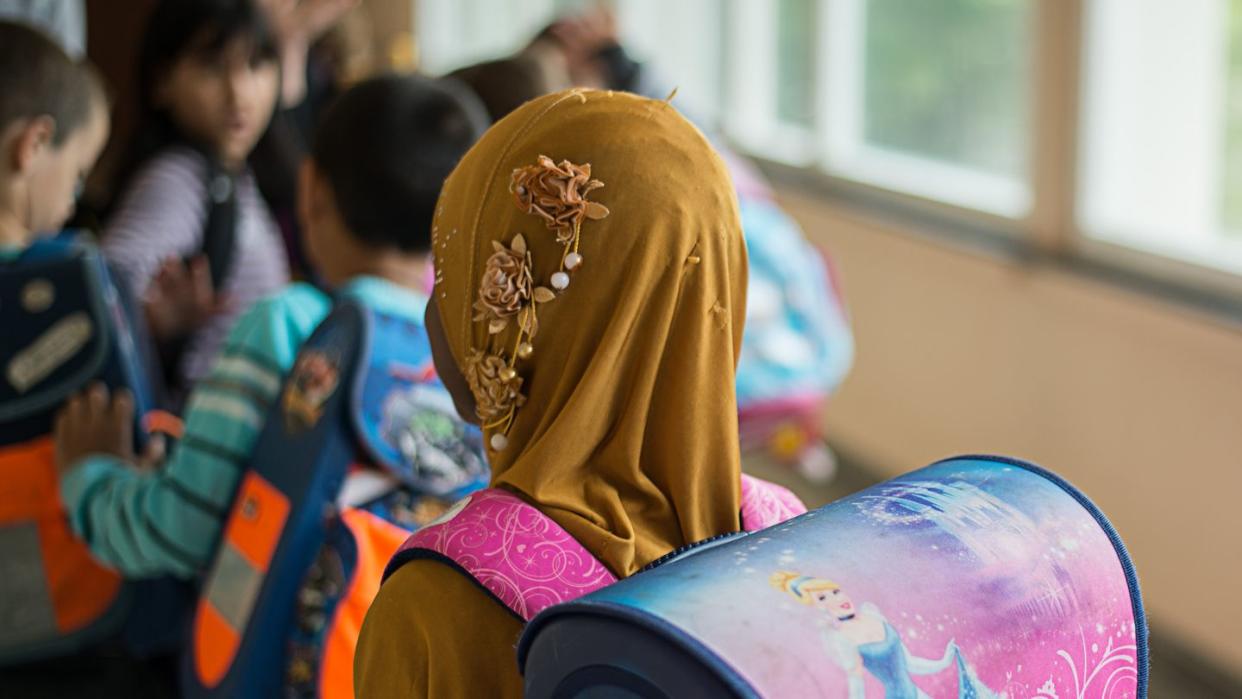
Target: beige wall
point(391, 21)
point(1136, 401)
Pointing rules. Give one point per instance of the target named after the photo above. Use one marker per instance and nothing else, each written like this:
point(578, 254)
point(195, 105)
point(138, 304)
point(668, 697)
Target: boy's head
point(381, 154)
point(53, 124)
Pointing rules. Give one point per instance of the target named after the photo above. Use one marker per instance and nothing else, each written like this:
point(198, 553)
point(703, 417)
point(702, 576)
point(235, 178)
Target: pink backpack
point(528, 562)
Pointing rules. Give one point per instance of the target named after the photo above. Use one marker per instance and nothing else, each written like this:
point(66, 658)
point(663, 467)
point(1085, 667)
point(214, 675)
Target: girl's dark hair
point(181, 28)
point(386, 146)
point(37, 79)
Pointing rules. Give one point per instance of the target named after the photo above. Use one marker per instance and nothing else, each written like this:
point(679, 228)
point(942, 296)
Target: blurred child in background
point(190, 232)
point(368, 194)
point(53, 125)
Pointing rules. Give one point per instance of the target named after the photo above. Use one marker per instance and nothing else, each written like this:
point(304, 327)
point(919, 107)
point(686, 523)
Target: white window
point(770, 78)
point(1129, 149)
point(1161, 136)
point(931, 98)
point(681, 41)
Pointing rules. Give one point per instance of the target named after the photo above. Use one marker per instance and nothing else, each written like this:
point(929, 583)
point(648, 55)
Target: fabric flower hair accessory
point(558, 195)
point(508, 295)
point(508, 289)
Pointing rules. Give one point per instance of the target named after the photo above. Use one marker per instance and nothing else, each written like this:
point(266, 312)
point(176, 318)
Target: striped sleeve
point(160, 215)
point(168, 521)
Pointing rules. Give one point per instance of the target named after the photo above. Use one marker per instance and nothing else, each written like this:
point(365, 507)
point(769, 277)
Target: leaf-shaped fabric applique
point(529, 322)
point(518, 244)
point(543, 294)
point(596, 210)
point(497, 325)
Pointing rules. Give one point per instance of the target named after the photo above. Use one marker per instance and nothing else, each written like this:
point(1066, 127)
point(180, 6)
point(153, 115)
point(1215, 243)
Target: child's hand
point(316, 17)
point(582, 37)
point(297, 24)
point(181, 299)
point(303, 21)
point(90, 423)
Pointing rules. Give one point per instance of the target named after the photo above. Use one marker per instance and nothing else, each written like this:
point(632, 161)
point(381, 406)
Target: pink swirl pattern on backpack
point(515, 551)
point(530, 563)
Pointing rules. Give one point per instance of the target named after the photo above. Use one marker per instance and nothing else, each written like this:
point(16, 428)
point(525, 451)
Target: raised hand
point(181, 298)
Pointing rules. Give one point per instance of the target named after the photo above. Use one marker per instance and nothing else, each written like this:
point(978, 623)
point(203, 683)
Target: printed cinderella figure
point(860, 638)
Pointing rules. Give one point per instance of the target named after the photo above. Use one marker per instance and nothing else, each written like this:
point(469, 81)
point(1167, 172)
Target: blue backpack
point(976, 577)
point(66, 324)
point(363, 447)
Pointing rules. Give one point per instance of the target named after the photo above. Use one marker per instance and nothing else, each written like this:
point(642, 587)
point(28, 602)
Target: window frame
point(1049, 232)
point(1044, 227)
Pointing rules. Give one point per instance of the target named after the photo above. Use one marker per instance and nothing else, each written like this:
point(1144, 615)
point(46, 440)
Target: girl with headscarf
point(588, 311)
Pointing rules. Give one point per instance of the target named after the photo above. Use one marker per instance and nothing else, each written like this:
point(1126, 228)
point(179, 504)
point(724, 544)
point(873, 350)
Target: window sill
point(1213, 294)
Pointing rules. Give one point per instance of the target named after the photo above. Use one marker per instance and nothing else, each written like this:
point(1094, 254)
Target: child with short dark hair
point(367, 196)
point(53, 124)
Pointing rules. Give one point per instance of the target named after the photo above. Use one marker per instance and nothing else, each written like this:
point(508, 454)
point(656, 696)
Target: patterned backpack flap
point(974, 577)
point(316, 517)
point(406, 420)
point(63, 327)
point(56, 304)
point(281, 516)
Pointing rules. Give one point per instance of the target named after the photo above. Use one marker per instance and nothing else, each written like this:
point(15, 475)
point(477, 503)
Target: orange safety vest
point(52, 592)
point(65, 324)
point(250, 539)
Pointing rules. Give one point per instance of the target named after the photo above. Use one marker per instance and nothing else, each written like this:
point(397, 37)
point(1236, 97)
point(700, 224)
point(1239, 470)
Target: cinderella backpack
point(977, 577)
point(362, 447)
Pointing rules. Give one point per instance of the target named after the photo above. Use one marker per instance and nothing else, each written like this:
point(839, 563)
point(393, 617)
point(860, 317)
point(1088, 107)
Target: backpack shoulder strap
point(219, 246)
point(527, 562)
point(220, 229)
point(516, 553)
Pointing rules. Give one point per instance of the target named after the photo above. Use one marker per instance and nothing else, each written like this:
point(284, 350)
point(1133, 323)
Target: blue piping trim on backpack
point(1123, 556)
point(697, 547)
point(358, 381)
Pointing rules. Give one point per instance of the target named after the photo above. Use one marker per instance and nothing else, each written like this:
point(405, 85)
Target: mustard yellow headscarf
point(626, 432)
